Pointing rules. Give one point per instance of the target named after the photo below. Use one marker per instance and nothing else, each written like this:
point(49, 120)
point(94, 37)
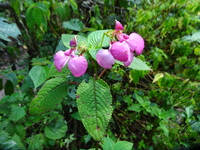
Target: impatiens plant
point(93, 96)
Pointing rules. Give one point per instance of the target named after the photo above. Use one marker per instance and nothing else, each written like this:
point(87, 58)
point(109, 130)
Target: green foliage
point(94, 105)
point(47, 98)
point(38, 75)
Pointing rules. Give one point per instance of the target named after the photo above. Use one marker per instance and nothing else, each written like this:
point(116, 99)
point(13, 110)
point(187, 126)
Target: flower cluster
point(121, 49)
point(77, 64)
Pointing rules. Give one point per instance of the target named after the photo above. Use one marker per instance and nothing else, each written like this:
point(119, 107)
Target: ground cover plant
point(118, 75)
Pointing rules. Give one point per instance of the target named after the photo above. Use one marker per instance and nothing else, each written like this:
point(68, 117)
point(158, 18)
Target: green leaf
point(6, 143)
point(8, 30)
point(107, 143)
point(53, 72)
point(9, 88)
point(37, 16)
point(56, 129)
point(17, 139)
point(49, 96)
point(157, 77)
point(136, 64)
point(66, 38)
point(94, 105)
point(36, 142)
point(38, 75)
point(17, 113)
point(123, 145)
point(95, 38)
point(135, 107)
point(74, 24)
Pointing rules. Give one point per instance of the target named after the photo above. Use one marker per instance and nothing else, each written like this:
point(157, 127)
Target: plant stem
point(102, 73)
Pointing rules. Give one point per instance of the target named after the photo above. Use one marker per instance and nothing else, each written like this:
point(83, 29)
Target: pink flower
point(120, 51)
point(60, 59)
point(105, 59)
point(118, 26)
point(77, 65)
point(130, 59)
point(135, 43)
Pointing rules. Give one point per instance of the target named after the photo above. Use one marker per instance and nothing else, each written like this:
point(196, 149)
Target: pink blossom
point(105, 59)
point(120, 51)
point(135, 43)
point(78, 65)
point(60, 59)
point(130, 59)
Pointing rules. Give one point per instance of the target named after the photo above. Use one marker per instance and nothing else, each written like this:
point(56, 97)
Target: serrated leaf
point(53, 72)
point(137, 64)
point(49, 96)
point(95, 38)
point(74, 24)
point(94, 105)
point(17, 113)
point(9, 88)
point(66, 38)
point(38, 75)
point(17, 139)
point(56, 129)
point(6, 143)
point(36, 142)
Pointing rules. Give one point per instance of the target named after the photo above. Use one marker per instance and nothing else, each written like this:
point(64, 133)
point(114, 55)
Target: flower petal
point(120, 50)
point(60, 60)
point(118, 26)
point(130, 59)
point(122, 36)
point(136, 43)
point(105, 59)
point(78, 65)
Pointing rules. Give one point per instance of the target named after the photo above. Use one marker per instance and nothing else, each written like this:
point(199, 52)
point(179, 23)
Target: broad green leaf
point(37, 16)
point(38, 75)
point(158, 76)
point(53, 72)
point(93, 52)
point(95, 38)
point(49, 96)
point(135, 107)
point(74, 24)
point(107, 143)
point(66, 38)
point(94, 105)
point(6, 143)
point(56, 129)
point(36, 142)
point(17, 139)
point(137, 64)
point(17, 113)
point(8, 30)
point(123, 145)
point(61, 46)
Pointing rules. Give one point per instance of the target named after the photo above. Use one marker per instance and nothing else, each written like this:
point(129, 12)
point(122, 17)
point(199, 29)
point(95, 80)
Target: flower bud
point(78, 65)
point(118, 26)
point(105, 59)
point(73, 42)
point(120, 50)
